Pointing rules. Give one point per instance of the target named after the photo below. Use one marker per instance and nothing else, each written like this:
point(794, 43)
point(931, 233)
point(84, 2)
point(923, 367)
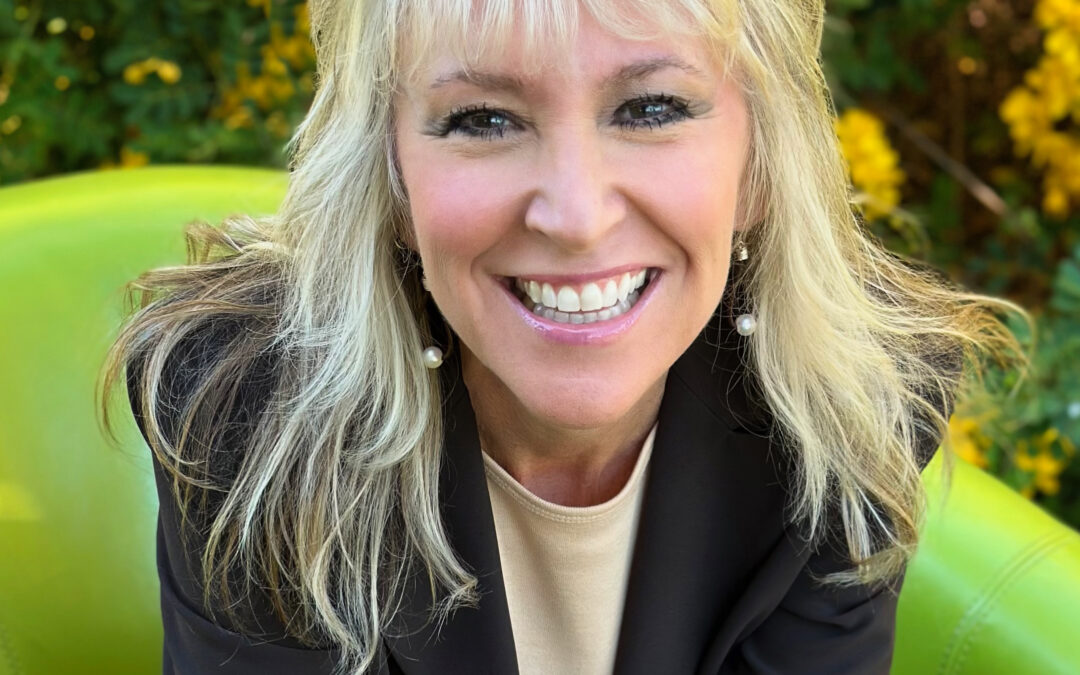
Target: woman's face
point(575, 226)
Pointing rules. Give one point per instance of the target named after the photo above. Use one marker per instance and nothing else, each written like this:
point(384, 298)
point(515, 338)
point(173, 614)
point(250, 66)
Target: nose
point(575, 202)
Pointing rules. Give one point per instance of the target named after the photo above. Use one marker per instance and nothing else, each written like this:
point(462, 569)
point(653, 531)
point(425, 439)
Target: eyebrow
point(625, 75)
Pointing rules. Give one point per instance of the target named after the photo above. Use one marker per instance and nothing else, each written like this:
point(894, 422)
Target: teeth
point(597, 301)
point(547, 296)
point(611, 293)
point(569, 300)
point(624, 287)
point(587, 317)
point(591, 298)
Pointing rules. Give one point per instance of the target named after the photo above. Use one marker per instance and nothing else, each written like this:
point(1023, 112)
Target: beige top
point(565, 570)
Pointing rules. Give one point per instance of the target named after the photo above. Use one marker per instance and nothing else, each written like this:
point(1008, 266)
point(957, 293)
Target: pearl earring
point(745, 324)
point(432, 357)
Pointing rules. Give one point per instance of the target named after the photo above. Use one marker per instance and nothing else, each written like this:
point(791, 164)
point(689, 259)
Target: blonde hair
point(336, 474)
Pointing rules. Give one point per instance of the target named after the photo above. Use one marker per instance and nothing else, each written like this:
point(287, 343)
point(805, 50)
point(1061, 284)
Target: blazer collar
point(709, 464)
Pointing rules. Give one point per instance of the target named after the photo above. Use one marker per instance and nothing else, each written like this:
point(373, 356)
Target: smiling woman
point(618, 163)
point(565, 353)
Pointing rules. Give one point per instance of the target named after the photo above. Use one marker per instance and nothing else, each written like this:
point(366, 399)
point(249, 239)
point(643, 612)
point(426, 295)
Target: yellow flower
point(135, 73)
point(130, 159)
point(1058, 13)
point(1055, 203)
point(169, 72)
point(239, 119)
point(1048, 96)
point(10, 125)
point(1043, 464)
point(1047, 468)
point(1023, 460)
point(873, 165)
point(303, 19)
point(968, 443)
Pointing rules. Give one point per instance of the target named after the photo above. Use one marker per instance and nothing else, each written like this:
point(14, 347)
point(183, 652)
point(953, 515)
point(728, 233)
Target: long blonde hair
point(335, 478)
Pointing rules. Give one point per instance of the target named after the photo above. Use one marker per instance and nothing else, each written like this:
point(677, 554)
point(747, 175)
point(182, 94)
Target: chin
point(577, 405)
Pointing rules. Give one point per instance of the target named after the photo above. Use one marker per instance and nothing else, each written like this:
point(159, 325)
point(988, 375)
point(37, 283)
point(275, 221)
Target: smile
point(593, 301)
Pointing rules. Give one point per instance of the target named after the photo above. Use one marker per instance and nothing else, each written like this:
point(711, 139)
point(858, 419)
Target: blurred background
point(960, 121)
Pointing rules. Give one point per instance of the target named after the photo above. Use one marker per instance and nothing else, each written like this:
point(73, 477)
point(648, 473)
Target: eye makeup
point(645, 111)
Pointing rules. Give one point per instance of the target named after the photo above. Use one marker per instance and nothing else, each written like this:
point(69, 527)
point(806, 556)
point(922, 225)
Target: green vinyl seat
point(995, 587)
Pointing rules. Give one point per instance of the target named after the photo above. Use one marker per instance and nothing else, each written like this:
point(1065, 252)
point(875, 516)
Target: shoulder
point(211, 384)
point(205, 408)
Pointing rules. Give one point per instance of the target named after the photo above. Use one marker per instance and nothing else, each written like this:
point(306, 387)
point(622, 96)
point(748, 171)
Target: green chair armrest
point(994, 587)
point(78, 583)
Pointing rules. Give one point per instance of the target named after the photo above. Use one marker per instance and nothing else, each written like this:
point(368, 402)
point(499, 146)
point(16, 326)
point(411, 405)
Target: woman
point(565, 353)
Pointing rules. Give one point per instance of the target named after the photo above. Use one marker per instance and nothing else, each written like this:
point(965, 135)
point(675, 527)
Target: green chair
point(995, 588)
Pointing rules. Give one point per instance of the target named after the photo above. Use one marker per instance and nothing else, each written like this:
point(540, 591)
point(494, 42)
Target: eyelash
point(452, 123)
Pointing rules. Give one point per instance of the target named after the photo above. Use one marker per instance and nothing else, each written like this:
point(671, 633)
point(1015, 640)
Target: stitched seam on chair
point(959, 644)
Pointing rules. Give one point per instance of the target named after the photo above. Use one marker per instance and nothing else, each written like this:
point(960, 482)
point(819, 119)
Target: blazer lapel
point(474, 640)
point(713, 505)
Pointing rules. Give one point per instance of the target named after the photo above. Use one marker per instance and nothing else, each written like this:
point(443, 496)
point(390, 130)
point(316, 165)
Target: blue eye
point(479, 121)
point(649, 110)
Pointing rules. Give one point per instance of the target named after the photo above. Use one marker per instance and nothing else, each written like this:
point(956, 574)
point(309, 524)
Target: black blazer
point(719, 580)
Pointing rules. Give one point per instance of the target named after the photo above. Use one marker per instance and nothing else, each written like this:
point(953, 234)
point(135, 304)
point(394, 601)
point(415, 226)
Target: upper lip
point(580, 278)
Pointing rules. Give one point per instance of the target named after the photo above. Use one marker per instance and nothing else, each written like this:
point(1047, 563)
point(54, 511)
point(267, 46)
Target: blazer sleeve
point(813, 630)
point(193, 643)
point(818, 629)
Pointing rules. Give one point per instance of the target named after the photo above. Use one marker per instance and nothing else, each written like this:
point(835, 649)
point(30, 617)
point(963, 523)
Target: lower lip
point(596, 333)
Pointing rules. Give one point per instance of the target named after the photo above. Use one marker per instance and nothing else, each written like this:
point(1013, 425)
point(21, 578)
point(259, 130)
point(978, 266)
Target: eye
point(652, 110)
point(477, 121)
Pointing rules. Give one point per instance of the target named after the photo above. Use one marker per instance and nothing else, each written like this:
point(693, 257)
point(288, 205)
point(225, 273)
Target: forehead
point(531, 37)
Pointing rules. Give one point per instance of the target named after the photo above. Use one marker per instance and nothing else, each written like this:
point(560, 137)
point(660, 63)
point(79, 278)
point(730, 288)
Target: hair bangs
point(485, 31)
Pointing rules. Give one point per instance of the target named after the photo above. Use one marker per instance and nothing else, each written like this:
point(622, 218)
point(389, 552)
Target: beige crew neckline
point(570, 514)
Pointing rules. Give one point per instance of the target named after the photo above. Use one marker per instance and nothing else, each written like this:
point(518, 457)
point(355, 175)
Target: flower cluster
point(129, 159)
point(167, 71)
point(1039, 459)
point(283, 56)
point(1041, 113)
point(873, 164)
point(968, 441)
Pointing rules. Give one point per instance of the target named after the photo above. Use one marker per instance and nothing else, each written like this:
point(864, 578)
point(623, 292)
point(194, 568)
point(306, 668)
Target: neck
point(566, 465)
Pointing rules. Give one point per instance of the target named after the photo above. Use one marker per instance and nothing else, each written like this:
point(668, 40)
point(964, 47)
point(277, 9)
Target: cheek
point(459, 207)
point(693, 192)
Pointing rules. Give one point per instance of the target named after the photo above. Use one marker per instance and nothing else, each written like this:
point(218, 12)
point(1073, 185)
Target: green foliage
point(937, 71)
point(70, 100)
